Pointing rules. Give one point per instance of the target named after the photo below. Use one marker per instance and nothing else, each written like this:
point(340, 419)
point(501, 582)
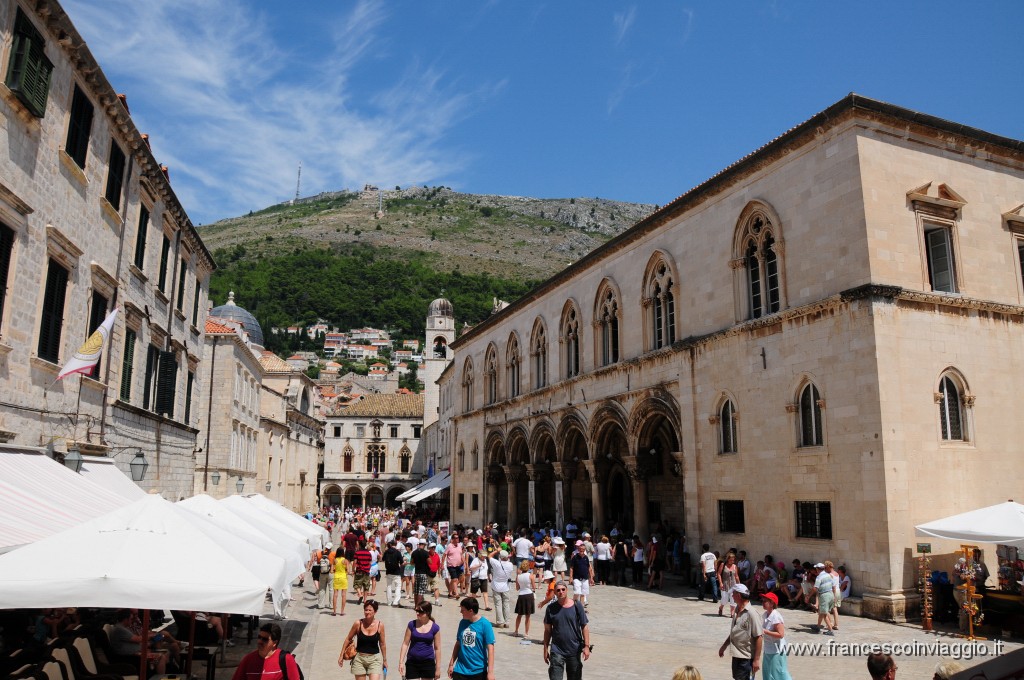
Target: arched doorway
point(353, 497)
point(655, 421)
point(518, 458)
point(331, 495)
point(375, 497)
point(619, 504)
point(392, 497)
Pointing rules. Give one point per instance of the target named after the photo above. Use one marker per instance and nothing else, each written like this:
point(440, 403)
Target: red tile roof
point(214, 327)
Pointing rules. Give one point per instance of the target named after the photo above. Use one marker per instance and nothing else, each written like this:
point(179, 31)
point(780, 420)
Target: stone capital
point(634, 468)
point(513, 473)
point(494, 475)
point(536, 472)
point(565, 472)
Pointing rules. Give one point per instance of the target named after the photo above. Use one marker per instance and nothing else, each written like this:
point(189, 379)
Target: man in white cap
point(745, 636)
point(502, 574)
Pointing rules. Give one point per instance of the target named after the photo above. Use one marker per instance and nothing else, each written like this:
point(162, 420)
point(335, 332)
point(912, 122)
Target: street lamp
point(73, 459)
point(240, 484)
point(139, 465)
point(268, 486)
point(215, 477)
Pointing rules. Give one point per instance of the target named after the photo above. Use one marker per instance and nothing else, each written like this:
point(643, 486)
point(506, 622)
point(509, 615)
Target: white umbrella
point(259, 519)
point(145, 555)
point(1002, 524)
point(287, 516)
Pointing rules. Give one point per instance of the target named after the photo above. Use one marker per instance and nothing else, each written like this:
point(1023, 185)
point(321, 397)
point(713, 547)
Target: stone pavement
point(635, 633)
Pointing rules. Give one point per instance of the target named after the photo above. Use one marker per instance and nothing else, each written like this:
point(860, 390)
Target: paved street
point(636, 634)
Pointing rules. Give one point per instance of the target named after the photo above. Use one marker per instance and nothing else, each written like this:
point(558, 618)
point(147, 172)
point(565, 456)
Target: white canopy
point(1002, 523)
point(39, 497)
point(290, 518)
point(104, 471)
point(146, 554)
point(433, 485)
point(425, 485)
point(260, 520)
point(287, 547)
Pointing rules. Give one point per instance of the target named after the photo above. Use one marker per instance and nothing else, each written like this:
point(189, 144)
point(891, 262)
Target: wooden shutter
point(152, 356)
point(182, 271)
point(6, 249)
point(165, 251)
point(115, 175)
point(127, 364)
point(97, 314)
point(79, 127)
point(28, 74)
point(165, 384)
point(52, 321)
point(140, 239)
point(188, 396)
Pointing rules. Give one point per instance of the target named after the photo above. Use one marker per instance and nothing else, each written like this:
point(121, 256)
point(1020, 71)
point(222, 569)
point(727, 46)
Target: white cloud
point(622, 22)
point(232, 106)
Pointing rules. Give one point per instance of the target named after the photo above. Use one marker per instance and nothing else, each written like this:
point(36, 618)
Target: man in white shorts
point(581, 574)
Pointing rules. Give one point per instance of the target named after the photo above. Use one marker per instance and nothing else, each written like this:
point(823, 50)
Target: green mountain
point(378, 257)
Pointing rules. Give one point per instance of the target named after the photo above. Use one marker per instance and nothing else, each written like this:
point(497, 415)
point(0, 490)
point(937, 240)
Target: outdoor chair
point(54, 670)
point(68, 656)
point(84, 664)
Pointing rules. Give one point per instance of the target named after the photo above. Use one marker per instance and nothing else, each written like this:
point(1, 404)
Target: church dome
point(243, 317)
point(441, 307)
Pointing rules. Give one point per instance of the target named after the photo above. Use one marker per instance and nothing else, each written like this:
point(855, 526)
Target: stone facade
point(373, 451)
point(89, 221)
point(806, 355)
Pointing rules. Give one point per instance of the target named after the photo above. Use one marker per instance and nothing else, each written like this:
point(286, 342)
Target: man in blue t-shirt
point(473, 654)
point(566, 636)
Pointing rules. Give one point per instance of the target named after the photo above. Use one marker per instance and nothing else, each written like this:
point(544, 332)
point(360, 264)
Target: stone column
point(513, 473)
point(638, 477)
point(534, 473)
point(490, 509)
point(565, 473)
point(596, 497)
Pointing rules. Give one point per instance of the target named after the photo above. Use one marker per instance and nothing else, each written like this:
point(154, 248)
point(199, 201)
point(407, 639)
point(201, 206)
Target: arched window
point(405, 456)
point(347, 456)
point(810, 416)
point(608, 325)
point(512, 368)
point(759, 259)
point(476, 457)
point(462, 460)
point(727, 428)
point(662, 305)
point(571, 341)
point(952, 416)
point(376, 458)
point(467, 385)
point(539, 354)
point(491, 375)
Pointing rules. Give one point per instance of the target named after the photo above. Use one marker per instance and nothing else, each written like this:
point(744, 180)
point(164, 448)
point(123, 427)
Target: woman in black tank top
point(371, 650)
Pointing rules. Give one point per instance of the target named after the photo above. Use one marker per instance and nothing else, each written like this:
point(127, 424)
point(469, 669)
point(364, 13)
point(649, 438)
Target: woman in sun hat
point(558, 563)
point(774, 665)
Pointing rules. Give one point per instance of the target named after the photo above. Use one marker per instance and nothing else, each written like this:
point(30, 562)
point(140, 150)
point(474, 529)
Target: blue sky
point(629, 101)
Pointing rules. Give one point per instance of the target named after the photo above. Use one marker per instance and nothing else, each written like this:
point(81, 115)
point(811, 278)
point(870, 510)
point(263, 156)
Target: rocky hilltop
point(511, 237)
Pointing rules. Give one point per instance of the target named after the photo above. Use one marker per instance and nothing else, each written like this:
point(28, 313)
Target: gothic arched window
point(662, 304)
point(608, 325)
point(759, 258)
point(513, 366)
point(810, 416)
point(571, 341)
point(491, 375)
point(539, 354)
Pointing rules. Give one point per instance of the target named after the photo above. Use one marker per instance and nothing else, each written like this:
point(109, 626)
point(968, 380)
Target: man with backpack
point(566, 636)
point(268, 662)
point(321, 572)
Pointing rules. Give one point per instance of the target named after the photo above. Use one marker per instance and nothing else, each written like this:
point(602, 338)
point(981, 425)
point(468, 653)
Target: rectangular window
point(730, 517)
point(6, 253)
point(79, 128)
point(360, 431)
point(417, 430)
point(814, 519)
point(97, 313)
point(337, 430)
point(127, 364)
point(52, 318)
point(195, 304)
point(166, 384)
point(188, 398)
point(393, 431)
point(939, 247)
point(140, 239)
point(181, 286)
point(1020, 261)
point(152, 361)
point(28, 73)
point(476, 501)
point(462, 501)
point(165, 252)
point(115, 175)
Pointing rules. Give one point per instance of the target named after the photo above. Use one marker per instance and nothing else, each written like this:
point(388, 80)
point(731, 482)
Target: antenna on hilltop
point(298, 182)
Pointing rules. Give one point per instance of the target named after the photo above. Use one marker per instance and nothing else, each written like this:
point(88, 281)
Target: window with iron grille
point(52, 317)
point(28, 72)
point(730, 517)
point(814, 519)
point(79, 127)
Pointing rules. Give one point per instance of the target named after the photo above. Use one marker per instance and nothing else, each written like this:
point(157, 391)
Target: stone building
point(373, 451)
point(807, 355)
point(89, 221)
point(259, 431)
